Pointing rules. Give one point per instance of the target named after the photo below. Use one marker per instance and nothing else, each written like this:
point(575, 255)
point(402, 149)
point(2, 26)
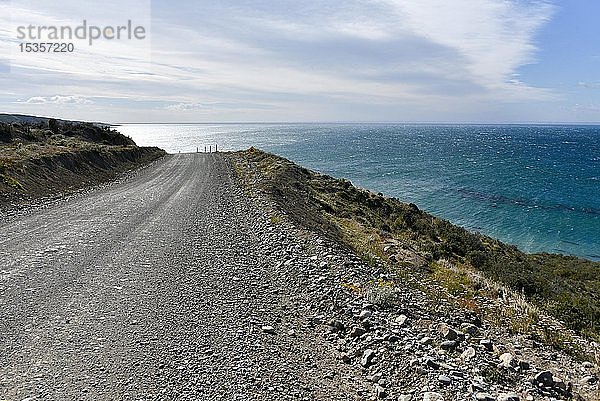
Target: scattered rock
point(336, 326)
point(367, 358)
point(477, 388)
point(447, 332)
point(432, 396)
point(561, 386)
point(426, 340)
point(484, 397)
point(509, 397)
point(544, 379)
point(401, 320)
point(432, 364)
point(357, 332)
point(268, 329)
point(375, 378)
point(380, 391)
point(468, 353)
point(487, 344)
point(589, 380)
point(470, 329)
point(392, 338)
point(524, 365)
point(587, 365)
point(448, 345)
point(507, 360)
point(445, 380)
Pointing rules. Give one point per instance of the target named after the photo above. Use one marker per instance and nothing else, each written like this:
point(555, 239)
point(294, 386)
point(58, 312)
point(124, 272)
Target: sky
point(444, 61)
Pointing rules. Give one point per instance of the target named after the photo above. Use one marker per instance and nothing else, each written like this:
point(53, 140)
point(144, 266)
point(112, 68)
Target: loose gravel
point(164, 286)
point(178, 284)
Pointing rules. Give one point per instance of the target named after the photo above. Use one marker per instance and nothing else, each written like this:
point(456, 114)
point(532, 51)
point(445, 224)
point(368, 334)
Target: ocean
point(537, 187)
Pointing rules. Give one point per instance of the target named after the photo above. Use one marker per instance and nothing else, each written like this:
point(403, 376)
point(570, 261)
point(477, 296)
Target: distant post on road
point(216, 148)
point(204, 148)
point(197, 149)
point(209, 148)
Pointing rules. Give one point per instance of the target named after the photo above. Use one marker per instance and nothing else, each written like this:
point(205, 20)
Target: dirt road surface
point(156, 287)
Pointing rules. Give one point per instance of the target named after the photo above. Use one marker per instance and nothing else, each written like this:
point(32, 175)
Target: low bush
point(566, 287)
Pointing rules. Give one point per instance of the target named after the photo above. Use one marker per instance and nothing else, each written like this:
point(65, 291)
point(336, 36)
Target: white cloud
point(304, 60)
point(589, 85)
point(462, 43)
point(587, 108)
point(57, 99)
point(185, 107)
point(495, 37)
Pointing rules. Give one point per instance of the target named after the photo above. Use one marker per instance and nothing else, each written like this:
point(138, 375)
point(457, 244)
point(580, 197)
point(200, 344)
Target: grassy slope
point(401, 235)
point(38, 158)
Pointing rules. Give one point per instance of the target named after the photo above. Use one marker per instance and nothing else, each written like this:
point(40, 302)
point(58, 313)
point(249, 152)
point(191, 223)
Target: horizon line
point(588, 123)
point(357, 122)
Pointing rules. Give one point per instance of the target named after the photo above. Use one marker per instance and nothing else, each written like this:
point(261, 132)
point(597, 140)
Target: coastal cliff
point(464, 278)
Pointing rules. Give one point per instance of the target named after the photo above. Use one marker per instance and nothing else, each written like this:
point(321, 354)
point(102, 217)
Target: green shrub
point(566, 287)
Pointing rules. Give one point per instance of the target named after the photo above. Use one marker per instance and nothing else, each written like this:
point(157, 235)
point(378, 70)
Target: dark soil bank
point(44, 157)
point(65, 172)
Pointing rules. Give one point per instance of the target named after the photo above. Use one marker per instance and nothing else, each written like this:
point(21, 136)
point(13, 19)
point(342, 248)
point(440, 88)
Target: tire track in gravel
point(155, 288)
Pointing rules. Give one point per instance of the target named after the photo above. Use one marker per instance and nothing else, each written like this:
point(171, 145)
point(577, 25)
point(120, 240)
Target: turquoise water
point(537, 187)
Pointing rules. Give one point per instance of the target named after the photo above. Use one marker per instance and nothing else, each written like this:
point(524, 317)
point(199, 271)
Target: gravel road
point(159, 287)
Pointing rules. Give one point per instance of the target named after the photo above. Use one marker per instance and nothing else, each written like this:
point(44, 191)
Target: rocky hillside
point(431, 311)
point(41, 157)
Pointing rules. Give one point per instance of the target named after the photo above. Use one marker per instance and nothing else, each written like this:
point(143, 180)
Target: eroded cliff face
point(63, 172)
point(41, 158)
